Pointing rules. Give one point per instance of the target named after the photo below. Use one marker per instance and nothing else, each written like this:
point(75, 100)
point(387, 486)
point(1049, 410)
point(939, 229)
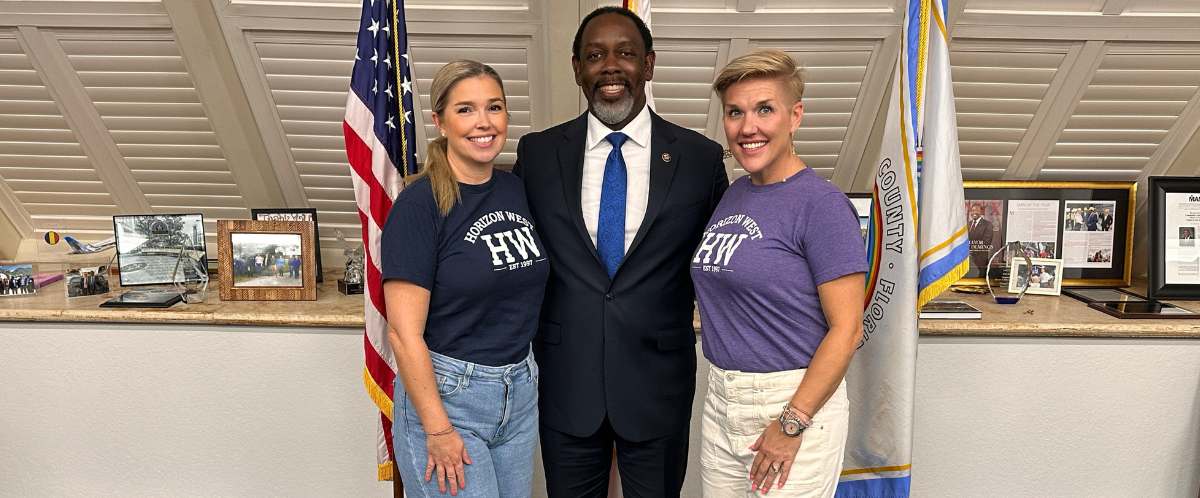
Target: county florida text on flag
point(381, 150)
point(917, 246)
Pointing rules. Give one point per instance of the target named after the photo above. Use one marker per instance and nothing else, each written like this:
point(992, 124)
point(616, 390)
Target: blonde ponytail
point(437, 165)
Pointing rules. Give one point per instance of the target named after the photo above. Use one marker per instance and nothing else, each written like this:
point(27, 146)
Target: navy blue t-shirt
point(483, 263)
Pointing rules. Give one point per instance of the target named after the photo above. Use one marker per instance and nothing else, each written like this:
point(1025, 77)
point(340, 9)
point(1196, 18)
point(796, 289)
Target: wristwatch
point(790, 424)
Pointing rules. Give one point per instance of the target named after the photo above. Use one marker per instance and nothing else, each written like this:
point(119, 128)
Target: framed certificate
point(1174, 260)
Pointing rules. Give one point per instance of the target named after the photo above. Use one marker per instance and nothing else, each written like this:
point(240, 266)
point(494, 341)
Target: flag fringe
point(377, 395)
point(938, 286)
point(385, 471)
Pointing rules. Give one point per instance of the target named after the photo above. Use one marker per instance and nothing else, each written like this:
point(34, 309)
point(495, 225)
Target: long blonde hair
point(437, 165)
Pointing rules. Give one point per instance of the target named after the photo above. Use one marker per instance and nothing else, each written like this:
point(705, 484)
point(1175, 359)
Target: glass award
point(1018, 273)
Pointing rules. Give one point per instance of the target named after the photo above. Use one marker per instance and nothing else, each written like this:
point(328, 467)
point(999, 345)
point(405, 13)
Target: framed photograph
point(87, 281)
point(1174, 260)
point(1086, 225)
point(298, 214)
point(17, 279)
point(266, 260)
point(1043, 277)
point(155, 249)
point(862, 205)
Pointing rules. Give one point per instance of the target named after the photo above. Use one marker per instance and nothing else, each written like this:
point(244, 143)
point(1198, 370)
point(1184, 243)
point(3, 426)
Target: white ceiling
point(165, 106)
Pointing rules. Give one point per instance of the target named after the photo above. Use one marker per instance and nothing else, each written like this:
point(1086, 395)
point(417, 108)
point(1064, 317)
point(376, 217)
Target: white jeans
point(739, 406)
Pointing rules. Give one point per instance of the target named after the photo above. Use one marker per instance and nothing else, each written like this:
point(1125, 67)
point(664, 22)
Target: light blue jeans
point(495, 411)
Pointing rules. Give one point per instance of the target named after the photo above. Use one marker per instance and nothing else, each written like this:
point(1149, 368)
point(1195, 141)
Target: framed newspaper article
point(1174, 260)
point(1087, 225)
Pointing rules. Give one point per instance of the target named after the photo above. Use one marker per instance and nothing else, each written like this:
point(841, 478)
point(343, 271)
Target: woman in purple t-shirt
point(779, 278)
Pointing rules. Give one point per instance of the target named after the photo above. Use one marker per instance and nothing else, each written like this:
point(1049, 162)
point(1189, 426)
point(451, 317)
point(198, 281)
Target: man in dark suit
point(1091, 219)
point(1106, 221)
point(620, 198)
point(979, 233)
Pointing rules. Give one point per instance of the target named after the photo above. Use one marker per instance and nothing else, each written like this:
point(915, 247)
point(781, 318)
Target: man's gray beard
point(612, 113)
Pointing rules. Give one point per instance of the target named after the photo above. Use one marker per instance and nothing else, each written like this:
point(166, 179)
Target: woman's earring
point(727, 154)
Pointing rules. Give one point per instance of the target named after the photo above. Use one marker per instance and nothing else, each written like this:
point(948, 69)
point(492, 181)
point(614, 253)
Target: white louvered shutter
point(1126, 111)
point(1038, 5)
point(309, 84)
point(40, 159)
point(143, 92)
point(997, 91)
point(834, 73)
point(683, 74)
point(506, 54)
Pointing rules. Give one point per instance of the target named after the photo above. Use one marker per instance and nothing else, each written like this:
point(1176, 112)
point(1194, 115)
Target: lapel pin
point(666, 157)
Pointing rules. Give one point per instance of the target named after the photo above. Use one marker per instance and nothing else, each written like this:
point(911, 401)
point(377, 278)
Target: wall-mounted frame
point(266, 260)
point(296, 214)
point(1174, 260)
point(1088, 225)
point(862, 207)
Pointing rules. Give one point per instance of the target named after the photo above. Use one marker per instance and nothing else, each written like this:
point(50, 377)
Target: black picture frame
point(159, 263)
point(265, 215)
point(1158, 286)
point(1144, 309)
point(1121, 195)
point(1103, 295)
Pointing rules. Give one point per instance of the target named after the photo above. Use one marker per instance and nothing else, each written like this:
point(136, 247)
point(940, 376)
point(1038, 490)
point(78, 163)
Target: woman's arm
point(841, 301)
point(408, 308)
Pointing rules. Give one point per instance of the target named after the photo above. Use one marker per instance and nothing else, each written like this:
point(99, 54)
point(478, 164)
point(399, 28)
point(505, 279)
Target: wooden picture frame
point(266, 242)
point(1097, 254)
point(295, 214)
point(1037, 286)
point(1171, 268)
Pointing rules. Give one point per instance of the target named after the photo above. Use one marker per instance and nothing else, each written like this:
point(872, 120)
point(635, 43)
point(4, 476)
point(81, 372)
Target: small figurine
point(352, 282)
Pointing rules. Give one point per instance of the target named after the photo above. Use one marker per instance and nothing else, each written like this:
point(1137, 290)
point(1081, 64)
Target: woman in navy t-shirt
point(464, 273)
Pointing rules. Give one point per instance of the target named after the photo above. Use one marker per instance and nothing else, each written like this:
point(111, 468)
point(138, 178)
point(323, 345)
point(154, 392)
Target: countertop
point(1034, 316)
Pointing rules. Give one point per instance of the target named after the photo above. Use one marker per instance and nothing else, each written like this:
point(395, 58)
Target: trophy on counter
point(352, 282)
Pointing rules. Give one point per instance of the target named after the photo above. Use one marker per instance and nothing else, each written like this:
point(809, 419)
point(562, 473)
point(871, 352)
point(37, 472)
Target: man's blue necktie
point(610, 229)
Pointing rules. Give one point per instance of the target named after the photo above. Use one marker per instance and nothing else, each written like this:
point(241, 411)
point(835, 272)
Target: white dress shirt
point(636, 152)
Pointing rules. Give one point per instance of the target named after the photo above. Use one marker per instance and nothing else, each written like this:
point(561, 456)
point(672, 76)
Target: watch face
point(791, 428)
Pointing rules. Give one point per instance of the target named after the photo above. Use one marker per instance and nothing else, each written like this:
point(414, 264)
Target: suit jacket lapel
point(664, 159)
point(570, 163)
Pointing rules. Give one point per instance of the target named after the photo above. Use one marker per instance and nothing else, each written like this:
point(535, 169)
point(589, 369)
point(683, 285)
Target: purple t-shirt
point(764, 252)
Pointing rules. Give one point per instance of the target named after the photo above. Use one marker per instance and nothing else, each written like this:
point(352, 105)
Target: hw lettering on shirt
point(717, 248)
point(504, 244)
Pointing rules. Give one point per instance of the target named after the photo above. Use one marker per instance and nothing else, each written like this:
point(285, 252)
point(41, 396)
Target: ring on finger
point(775, 468)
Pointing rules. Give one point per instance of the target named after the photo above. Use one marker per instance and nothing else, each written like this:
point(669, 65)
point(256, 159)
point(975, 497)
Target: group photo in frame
point(1173, 264)
point(1086, 225)
point(17, 279)
point(295, 214)
point(266, 260)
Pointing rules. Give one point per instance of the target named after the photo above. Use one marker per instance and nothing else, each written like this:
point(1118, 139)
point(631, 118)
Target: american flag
point(381, 149)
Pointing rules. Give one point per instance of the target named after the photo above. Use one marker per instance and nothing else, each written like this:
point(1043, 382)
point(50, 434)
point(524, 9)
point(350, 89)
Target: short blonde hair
point(766, 63)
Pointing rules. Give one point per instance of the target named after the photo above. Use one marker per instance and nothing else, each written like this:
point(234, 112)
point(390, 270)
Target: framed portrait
point(297, 214)
point(155, 249)
point(17, 279)
point(1086, 225)
point(1174, 260)
point(266, 260)
point(87, 281)
point(1043, 276)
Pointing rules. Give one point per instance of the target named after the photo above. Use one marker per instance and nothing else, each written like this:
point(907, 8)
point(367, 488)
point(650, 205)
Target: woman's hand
point(776, 452)
point(447, 454)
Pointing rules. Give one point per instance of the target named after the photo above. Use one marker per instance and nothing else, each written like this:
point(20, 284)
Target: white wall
point(1014, 417)
point(131, 411)
point(138, 410)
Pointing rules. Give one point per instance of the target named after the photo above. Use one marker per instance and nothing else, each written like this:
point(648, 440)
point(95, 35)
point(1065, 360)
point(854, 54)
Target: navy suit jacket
point(622, 347)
